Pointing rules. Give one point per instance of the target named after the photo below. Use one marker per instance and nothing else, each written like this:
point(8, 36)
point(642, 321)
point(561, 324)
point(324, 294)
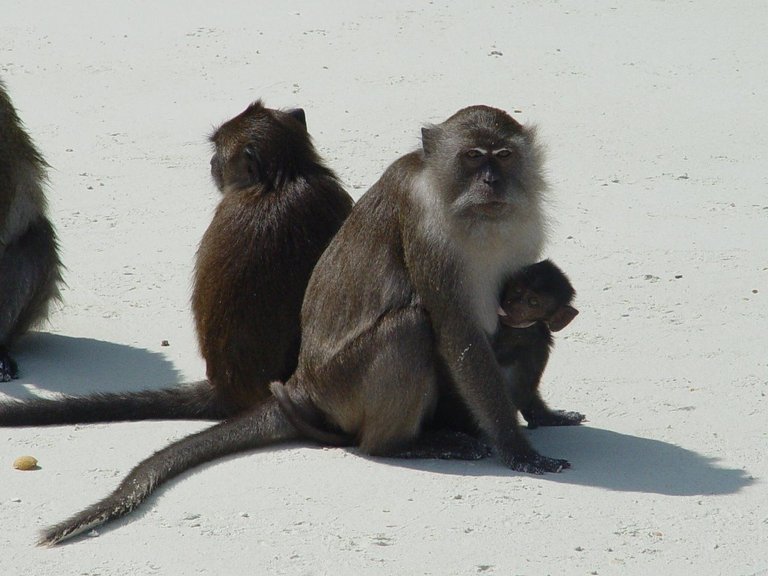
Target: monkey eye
point(533, 302)
point(474, 153)
point(504, 153)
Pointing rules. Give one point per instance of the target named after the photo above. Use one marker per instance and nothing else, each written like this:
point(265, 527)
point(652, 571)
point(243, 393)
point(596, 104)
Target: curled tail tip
point(55, 535)
point(50, 538)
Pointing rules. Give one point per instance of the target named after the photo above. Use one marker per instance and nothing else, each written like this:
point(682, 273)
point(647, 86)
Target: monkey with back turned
point(402, 303)
point(280, 207)
point(30, 269)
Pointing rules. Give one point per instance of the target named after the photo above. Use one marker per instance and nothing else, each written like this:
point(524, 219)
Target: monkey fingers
point(553, 418)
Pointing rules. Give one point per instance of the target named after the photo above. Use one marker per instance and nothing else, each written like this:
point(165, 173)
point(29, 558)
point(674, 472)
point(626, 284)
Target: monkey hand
point(534, 463)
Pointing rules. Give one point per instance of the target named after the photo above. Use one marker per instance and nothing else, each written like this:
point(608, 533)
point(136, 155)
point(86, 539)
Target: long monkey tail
point(195, 401)
point(262, 425)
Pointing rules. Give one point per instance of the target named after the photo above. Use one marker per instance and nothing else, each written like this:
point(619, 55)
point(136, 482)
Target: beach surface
point(654, 119)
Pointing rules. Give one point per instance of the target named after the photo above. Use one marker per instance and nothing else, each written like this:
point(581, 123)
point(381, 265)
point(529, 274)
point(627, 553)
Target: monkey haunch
point(535, 303)
point(30, 270)
point(401, 304)
point(280, 208)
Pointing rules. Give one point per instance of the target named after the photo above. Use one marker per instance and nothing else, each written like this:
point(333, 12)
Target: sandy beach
point(654, 119)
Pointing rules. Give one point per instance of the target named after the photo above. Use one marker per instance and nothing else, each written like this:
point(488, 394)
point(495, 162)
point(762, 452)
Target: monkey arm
point(467, 354)
point(469, 358)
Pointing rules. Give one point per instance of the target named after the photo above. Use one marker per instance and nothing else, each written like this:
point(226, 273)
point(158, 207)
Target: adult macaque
point(280, 207)
point(401, 304)
point(30, 269)
point(536, 302)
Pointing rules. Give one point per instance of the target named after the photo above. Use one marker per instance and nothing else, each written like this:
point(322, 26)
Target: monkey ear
point(298, 114)
point(562, 317)
point(429, 139)
point(253, 163)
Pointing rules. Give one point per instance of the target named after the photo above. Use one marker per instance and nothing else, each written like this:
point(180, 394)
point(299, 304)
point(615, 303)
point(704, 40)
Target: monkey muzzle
point(507, 321)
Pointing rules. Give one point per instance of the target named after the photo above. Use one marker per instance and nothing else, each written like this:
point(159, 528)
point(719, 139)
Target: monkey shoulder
point(369, 242)
point(316, 204)
point(360, 274)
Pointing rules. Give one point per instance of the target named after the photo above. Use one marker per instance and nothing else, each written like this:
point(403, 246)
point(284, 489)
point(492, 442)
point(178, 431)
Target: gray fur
point(30, 269)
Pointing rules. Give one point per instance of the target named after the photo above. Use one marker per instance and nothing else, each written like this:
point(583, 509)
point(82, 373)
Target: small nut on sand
point(25, 463)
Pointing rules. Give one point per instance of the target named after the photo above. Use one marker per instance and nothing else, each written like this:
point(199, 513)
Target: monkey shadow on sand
point(614, 461)
point(75, 366)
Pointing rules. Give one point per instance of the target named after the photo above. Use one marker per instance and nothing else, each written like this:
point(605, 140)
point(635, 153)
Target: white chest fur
point(494, 252)
point(490, 251)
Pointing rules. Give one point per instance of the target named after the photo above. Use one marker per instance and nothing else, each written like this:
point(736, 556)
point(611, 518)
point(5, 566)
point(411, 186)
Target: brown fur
point(279, 210)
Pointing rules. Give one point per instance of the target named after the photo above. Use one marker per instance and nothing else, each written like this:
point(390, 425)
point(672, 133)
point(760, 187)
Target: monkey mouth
point(511, 324)
point(507, 321)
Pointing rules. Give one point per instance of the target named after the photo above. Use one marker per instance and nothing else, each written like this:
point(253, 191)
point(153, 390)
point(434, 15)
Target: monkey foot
point(536, 464)
point(8, 368)
point(445, 445)
point(553, 418)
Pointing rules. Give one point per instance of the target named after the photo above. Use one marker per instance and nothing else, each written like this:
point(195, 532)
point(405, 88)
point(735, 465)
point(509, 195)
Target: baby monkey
point(536, 302)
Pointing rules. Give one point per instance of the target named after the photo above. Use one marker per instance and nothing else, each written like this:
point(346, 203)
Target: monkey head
point(538, 293)
point(487, 162)
point(260, 147)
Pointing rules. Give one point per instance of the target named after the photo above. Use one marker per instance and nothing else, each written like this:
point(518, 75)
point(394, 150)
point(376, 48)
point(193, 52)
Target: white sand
point(654, 114)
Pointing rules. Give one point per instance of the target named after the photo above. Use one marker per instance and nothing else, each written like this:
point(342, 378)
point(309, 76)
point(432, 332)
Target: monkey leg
point(537, 413)
point(29, 268)
point(399, 393)
point(524, 376)
point(399, 386)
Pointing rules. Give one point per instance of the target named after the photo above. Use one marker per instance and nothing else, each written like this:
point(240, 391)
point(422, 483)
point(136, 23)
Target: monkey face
point(521, 307)
point(489, 173)
point(480, 155)
point(524, 304)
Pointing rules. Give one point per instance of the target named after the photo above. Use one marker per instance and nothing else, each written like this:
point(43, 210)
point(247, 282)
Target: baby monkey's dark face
point(522, 306)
